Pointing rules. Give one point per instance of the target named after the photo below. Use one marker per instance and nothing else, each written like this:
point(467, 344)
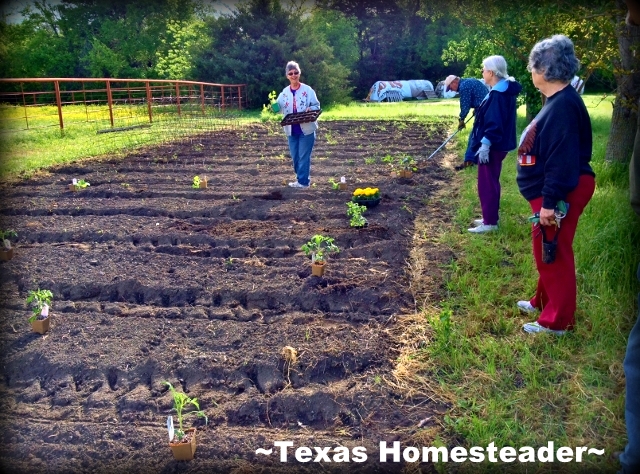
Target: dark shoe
point(466, 164)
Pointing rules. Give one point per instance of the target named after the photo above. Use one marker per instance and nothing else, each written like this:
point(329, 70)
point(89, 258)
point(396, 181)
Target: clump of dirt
point(156, 281)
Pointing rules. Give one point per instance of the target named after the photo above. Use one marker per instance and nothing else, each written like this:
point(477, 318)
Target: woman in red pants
point(553, 168)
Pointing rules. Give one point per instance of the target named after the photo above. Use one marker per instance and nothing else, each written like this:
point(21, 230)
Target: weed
point(196, 182)
point(370, 160)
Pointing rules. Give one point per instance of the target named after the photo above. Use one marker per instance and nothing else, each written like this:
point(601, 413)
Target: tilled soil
point(156, 281)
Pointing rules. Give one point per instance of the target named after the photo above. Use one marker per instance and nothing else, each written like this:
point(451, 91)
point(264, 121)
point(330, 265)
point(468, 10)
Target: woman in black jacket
point(492, 137)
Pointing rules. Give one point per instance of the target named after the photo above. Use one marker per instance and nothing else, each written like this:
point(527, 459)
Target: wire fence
point(129, 112)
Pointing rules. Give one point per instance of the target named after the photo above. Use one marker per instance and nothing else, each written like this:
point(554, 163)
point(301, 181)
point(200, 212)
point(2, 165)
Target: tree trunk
point(625, 108)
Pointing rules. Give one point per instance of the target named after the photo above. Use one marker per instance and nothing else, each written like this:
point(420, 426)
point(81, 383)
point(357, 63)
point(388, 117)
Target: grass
point(517, 389)
point(468, 348)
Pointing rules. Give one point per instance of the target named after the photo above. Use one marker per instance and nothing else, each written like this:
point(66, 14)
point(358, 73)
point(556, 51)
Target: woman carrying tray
point(296, 98)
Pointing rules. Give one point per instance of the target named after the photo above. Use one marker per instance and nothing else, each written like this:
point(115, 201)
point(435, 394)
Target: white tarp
point(578, 84)
point(395, 91)
point(442, 94)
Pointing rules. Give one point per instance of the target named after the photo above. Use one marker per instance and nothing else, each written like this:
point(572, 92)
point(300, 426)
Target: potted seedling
point(40, 301)
point(183, 442)
point(342, 184)
point(317, 247)
point(354, 212)
point(408, 164)
point(199, 183)
point(6, 251)
point(78, 184)
point(273, 102)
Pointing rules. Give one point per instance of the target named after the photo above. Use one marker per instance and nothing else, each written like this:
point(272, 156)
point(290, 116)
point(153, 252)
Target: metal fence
point(111, 104)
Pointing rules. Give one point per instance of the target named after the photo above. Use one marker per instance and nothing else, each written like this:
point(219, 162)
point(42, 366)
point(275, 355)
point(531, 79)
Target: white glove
point(483, 154)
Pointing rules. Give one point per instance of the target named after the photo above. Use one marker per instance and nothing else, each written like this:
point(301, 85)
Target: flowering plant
point(365, 194)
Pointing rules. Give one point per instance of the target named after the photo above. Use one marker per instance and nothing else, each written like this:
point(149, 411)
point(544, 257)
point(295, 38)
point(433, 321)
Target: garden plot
point(155, 280)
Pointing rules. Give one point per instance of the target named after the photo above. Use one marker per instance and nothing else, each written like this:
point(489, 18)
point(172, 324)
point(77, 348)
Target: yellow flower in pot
point(369, 197)
point(317, 247)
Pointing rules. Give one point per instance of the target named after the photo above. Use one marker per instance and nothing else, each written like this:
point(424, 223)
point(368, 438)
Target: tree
point(625, 118)
point(508, 29)
point(253, 44)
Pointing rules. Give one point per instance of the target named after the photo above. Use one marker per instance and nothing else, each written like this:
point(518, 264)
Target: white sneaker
point(295, 184)
point(482, 228)
point(478, 222)
point(526, 307)
point(535, 327)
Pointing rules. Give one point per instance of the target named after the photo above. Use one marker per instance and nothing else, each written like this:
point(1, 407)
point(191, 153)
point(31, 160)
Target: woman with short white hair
point(299, 97)
point(554, 172)
point(492, 137)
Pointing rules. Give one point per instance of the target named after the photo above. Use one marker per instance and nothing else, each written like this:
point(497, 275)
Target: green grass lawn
point(505, 386)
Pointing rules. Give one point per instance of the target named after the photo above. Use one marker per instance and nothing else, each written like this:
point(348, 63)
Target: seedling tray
point(301, 117)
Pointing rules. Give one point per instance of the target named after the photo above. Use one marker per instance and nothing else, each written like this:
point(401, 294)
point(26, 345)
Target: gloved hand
point(461, 124)
point(483, 154)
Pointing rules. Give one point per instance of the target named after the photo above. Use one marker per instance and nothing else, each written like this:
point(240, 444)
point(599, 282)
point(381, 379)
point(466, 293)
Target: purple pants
point(489, 186)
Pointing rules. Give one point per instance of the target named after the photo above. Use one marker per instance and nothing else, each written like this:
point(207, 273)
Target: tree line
point(343, 46)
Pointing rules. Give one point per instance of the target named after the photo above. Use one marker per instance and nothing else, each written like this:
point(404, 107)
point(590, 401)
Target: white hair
point(498, 66)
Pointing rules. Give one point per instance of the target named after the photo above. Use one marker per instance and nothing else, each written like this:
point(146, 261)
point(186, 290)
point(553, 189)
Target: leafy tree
point(508, 29)
point(394, 41)
point(625, 118)
point(174, 57)
point(253, 44)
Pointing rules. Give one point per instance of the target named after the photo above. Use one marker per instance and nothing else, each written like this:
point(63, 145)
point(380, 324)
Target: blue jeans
point(300, 147)
point(630, 458)
point(468, 155)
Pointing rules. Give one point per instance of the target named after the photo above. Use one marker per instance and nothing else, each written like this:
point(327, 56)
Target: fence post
point(59, 103)
point(110, 102)
point(24, 105)
point(202, 97)
point(149, 98)
point(239, 99)
point(222, 96)
point(178, 96)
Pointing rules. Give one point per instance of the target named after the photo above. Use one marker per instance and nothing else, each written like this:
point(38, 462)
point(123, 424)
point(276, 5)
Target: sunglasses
point(293, 73)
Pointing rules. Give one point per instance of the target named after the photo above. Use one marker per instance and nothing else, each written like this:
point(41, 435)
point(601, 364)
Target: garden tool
point(549, 246)
point(447, 140)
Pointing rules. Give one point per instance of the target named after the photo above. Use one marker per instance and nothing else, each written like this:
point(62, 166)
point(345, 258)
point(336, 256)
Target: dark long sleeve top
point(555, 149)
point(471, 91)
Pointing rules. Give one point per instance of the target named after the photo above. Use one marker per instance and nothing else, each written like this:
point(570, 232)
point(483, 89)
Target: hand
point(483, 154)
point(461, 124)
point(547, 217)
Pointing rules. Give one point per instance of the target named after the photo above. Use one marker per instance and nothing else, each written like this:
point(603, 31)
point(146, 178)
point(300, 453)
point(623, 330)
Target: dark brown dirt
point(156, 281)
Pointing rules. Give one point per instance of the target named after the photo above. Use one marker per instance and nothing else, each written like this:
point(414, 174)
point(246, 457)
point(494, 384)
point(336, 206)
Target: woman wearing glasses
point(299, 97)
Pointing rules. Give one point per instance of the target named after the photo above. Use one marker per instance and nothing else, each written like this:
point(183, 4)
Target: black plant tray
point(301, 117)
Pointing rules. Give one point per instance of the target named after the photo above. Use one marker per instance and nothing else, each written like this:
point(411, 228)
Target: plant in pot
point(78, 184)
point(199, 182)
point(6, 251)
point(40, 301)
point(342, 184)
point(273, 102)
point(183, 442)
point(317, 247)
point(369, 197)
point(354, 212)
point(408, 164)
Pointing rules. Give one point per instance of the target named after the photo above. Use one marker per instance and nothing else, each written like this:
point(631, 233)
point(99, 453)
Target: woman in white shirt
point(299, 97)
